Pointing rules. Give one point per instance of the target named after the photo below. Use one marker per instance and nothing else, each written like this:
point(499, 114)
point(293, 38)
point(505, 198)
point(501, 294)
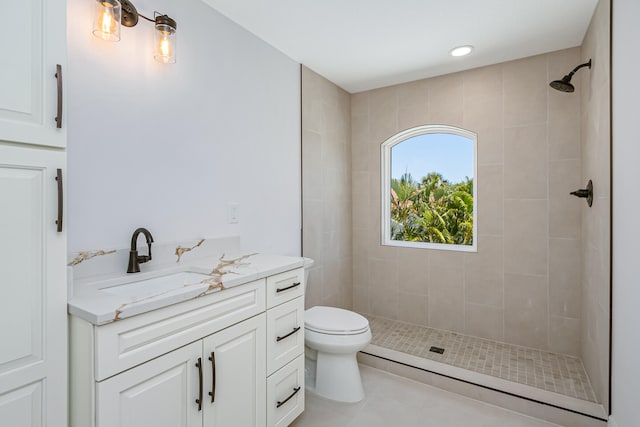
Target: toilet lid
point(336, 321)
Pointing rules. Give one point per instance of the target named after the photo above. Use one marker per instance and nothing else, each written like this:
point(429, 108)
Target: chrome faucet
point(134, 259)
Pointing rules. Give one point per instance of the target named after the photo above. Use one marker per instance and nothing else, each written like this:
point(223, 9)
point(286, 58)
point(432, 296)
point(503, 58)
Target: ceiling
point(366, 44)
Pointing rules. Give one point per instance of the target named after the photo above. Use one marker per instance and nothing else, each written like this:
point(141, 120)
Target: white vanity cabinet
point(285, 347)
point(149, 369)
point(214, 382)
point(221, 360)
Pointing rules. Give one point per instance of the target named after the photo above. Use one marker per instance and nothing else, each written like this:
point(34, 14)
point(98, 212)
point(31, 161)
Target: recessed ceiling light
point(461, 50)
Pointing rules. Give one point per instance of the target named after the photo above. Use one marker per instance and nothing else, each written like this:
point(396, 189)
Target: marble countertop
point(99, 299)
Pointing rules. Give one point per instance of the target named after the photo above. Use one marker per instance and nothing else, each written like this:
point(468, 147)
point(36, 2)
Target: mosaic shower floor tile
point(549, 371)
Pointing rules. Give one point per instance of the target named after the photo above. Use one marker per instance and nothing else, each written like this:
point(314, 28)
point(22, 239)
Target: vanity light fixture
point(461, 50)
point(109, 15)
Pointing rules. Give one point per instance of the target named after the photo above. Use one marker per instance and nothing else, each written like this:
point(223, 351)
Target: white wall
point(168, 147)
point(626, 204)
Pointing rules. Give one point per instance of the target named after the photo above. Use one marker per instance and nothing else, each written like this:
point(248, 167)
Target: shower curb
point(521, 398)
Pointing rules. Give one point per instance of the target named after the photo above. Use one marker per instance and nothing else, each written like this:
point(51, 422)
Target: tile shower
point(538, 285)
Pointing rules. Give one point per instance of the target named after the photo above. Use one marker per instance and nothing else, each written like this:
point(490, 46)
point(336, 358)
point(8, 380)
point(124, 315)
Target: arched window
point(429, 189)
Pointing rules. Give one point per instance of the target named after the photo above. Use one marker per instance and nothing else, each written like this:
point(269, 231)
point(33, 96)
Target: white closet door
point(33, 290)
point(33, 43)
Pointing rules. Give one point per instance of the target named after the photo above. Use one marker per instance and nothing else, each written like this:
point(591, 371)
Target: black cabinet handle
point(288, 287)
point(60, 200)
point(295, 390)
point(199, 399)
point(212, 393)
point(296, 329)
point(59, 80)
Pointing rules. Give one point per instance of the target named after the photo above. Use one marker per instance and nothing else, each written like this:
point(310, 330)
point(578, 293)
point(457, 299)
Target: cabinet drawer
point(129, 342)
point(284, 287)
point(285, 333)
point(285, 394)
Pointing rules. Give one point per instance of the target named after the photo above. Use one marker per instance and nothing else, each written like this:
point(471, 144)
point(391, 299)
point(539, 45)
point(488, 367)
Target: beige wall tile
point(383, 274)
point(384, 302)
point(525, 91)
point(413, 308)
point(446, 93)
point(484, 321)
point(312, 101)
point(484, 273)
point(312, 174)
point(565, 289)
point(413, 271)
point(413, 94)
point(564, 335)
point(361, 299)
point(525, 310)
point(525, 162)
point(412, 104)
point(327, 186)
point(490, 145)
point(376, 250)
point(564, 177)
point(490, 200)
point(446, 96)
point(525, 241)
point(312, 239)
point(564, 217)
point(483, 98)
point(412, 116)
point(360, 104)
point(446, 291)
point(564, 139)
point(313, 295)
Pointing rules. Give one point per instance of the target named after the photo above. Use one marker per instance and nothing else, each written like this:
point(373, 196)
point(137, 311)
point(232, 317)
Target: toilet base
point(337, 377)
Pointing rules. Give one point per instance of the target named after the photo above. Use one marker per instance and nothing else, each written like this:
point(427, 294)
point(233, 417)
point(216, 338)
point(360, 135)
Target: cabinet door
point(237, 371)
point(33, 291)
point(159, 393)
point(33, 41)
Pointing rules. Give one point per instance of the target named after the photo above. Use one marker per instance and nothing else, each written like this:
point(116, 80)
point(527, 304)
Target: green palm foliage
point(432, 210)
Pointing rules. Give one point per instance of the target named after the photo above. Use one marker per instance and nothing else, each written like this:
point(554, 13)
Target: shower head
point(565, 85)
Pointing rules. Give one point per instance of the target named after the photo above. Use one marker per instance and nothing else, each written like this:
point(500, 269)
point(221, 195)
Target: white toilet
point(333, 337)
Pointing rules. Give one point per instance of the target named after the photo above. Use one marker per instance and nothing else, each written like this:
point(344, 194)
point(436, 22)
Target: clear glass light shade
point(106, 21)
point(165, 43)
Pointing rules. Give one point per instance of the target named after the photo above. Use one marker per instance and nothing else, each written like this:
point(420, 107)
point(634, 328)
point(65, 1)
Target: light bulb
point(106, 24)
point(164, 47)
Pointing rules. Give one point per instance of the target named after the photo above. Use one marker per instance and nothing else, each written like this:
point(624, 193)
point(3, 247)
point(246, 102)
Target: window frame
point(385, 171)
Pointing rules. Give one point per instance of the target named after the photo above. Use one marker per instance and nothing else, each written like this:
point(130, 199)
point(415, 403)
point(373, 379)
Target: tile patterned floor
point(549, 371)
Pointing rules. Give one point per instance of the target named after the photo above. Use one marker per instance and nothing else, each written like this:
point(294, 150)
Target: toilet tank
point(308, 263)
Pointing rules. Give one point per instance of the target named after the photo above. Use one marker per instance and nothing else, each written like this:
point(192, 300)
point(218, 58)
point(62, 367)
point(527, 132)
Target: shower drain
point(438, 350)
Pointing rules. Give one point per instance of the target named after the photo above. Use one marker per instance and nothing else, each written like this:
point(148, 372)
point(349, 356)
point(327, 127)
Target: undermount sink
point(182, 282)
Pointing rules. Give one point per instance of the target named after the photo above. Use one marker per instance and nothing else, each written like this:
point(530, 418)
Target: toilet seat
point(334, 321)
